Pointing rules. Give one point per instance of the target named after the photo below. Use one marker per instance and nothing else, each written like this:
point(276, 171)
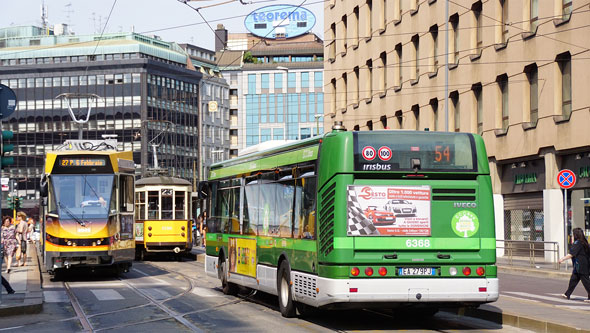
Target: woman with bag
point(580, 255)
point(9, 241)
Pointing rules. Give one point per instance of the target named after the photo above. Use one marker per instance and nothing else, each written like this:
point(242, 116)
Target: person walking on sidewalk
point(8, 241)
point(580, 255)
point(21, 240)
point(7, 286)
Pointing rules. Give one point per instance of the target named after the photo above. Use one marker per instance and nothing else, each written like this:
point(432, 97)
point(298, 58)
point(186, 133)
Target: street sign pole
point(566, 180)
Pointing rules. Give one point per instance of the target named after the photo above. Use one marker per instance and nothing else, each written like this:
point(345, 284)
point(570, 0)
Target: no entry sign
point(566, 179)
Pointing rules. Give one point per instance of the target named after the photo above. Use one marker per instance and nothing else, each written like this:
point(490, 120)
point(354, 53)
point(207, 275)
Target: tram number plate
point(416, 271)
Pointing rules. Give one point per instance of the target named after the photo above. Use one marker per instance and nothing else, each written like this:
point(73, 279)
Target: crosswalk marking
point(55, 296)
point(156, 293)
point(554, 298)
point(575, 307)
point(106, 294)
point(205, 292)
point(95, 284)
point(547, 298)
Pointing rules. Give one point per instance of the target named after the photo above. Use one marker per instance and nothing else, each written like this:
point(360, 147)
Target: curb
point(543, 273)
point(33, 301)
point(516, 320)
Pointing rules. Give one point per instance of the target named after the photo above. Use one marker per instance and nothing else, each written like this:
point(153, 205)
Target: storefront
point(579, 195)
point(522, 190)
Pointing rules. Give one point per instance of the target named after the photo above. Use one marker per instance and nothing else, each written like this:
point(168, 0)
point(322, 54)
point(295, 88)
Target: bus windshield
point(415, 151)
point(82, 196)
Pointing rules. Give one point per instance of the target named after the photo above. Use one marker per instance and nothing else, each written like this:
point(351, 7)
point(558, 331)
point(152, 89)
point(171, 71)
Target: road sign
point(7, 101)
point(566, 179)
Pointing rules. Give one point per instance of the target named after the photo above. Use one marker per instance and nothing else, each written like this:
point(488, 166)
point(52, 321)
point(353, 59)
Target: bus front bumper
point(413, 290)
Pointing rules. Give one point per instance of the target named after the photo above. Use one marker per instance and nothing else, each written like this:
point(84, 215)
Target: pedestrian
point(203, 227)
point(30, 229)
point(7, 286)
point(580, 255)
point(8, 241)
point(21, 233)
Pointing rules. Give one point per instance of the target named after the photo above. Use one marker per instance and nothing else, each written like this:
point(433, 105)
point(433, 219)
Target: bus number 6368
point(418, 243)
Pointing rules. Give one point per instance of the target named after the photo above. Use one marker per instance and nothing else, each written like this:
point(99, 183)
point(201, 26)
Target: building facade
point(276, 87)
point(149, 94)
point(518, 74)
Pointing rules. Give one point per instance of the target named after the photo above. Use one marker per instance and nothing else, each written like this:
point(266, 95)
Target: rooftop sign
point(280, 21)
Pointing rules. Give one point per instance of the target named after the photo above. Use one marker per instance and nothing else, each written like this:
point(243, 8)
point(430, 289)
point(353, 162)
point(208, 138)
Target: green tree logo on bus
point(465, 223)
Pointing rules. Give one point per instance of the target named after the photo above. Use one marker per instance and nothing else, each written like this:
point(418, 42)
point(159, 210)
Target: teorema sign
point(280, 21)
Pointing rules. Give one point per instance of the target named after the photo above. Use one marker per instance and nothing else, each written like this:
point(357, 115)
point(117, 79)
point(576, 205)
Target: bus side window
point(285, 193)
point(307, 211)
point(251, 206)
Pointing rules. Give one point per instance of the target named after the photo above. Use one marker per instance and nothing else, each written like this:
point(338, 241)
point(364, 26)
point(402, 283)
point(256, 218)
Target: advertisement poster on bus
point(388, 210)
point(242, 256)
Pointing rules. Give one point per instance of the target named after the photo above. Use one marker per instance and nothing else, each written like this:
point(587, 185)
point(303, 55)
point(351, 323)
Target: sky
point(165, 18)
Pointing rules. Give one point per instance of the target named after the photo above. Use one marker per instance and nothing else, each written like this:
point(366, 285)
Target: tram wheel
point(286, 303)
point(227, 287)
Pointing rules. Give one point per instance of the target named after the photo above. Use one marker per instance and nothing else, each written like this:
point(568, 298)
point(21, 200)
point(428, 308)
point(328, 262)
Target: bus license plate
point(416, 271)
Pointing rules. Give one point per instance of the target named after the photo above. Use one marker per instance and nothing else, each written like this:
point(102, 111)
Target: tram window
point(126, 192)
point(153, 198)
point(166, 205)
point(179, 205)
point(140, 205)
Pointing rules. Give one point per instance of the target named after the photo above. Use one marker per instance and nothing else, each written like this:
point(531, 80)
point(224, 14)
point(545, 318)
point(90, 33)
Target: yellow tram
point(87, 199)
point(163, 216)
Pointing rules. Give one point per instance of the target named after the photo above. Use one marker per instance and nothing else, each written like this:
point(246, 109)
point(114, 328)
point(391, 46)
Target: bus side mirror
point(203, 190)
point(43, 186)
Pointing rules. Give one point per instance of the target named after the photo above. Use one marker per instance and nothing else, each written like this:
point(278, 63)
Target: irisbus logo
point(367, 193)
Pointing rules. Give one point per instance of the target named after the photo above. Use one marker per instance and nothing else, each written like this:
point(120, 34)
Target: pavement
point(26, 281)
point(534, 315)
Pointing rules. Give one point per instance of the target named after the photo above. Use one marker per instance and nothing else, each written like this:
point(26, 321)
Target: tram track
point(86, 326)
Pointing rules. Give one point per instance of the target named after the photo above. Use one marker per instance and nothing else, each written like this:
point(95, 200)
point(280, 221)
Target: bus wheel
point(228, 288)
point(286, 304)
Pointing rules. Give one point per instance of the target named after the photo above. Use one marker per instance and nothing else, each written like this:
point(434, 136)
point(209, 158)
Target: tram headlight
point(98, 242)
point(69, 243)
point(453, 271)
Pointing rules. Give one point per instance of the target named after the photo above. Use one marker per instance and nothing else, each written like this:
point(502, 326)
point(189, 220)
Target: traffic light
point(6, 148)
point(17, 203)
point(10, 203)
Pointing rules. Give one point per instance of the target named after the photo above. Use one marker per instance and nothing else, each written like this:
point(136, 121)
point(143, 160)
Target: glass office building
point(150, 94)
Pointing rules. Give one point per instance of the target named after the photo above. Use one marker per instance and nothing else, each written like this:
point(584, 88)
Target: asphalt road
point(161, 295)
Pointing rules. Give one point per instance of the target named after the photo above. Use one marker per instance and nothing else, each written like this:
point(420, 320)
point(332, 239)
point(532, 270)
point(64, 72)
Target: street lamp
point(317, 123)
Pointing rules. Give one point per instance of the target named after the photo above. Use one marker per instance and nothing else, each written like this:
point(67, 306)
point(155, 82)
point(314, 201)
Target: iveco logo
point(464, 204)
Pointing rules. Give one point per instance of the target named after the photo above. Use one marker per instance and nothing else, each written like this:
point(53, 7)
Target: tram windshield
point(80, 197)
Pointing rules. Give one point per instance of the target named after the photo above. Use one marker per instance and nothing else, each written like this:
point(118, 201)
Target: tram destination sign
point(280, 21)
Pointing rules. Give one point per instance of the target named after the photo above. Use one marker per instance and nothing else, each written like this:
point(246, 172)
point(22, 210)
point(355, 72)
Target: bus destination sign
point(280, 21)
point(82, 162)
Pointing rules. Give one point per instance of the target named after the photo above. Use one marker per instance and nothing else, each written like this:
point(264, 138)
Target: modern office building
point(276, 86)
point(518, 75)
point(149, 94)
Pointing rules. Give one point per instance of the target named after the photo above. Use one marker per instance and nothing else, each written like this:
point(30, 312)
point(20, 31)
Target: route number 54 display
point(418, 243)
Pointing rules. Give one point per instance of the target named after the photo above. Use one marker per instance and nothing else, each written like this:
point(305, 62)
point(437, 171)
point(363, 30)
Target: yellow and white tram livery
point(88, 209)
point(163, 216)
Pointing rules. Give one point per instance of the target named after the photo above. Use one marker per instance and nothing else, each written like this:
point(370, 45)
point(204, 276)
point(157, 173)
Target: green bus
point(388, 219)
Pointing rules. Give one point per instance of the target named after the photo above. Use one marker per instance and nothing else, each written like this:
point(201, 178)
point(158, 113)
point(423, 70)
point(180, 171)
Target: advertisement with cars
point(377, 210)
